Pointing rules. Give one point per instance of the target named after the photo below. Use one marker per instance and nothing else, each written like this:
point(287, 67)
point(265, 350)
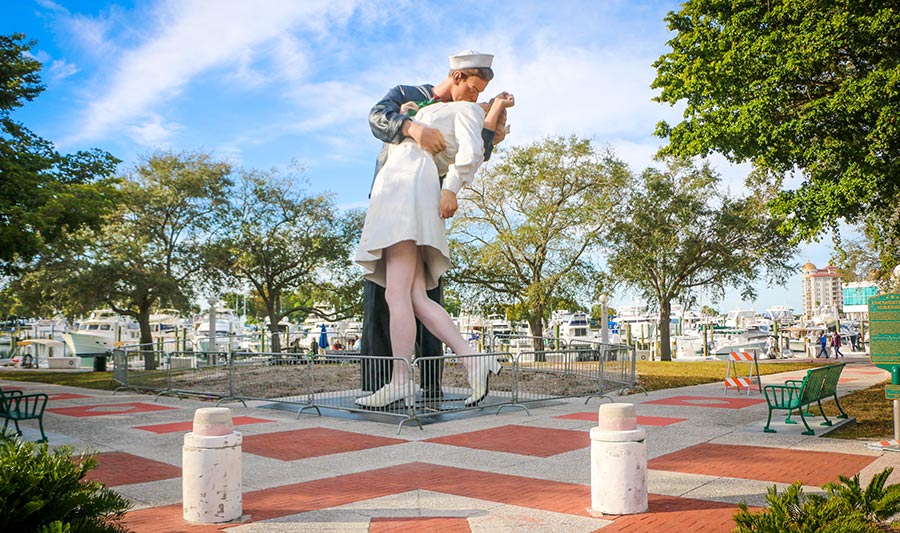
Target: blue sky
point(272, 83)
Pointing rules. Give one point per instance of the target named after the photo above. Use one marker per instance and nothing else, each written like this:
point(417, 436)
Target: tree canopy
point(291, 248)
point(808, 90)
point(527, 228)
point(678, 232)
point(44, 195)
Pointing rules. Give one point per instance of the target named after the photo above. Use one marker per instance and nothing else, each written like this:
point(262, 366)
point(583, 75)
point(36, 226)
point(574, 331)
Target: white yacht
point(102, 330)
point(740, 318)
point(228, 329)
point(169, 330)
point(49, 328)
point(572, 325)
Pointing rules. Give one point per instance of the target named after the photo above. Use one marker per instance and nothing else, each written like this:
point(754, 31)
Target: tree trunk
point(665, 344)
point(536, 324)
point(276, 334)
point(146, 341)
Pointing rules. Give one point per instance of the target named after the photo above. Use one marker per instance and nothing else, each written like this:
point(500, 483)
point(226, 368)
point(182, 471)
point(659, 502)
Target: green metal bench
point(819, 384)
point(16, 406)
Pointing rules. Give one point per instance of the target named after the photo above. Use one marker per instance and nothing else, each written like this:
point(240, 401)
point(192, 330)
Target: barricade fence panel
point(428, 386)
point(203, 374)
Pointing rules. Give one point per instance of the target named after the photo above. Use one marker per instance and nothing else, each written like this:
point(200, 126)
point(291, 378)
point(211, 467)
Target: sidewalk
point(511, 471)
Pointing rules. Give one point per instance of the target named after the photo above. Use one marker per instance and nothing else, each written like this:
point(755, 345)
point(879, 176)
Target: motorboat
point(49, 328)
point(572, 326)
point(752, 340)
point(169, 330)
point(101, 331)
point(781, 315)
point(227, 330)
point(44, 353)
point(740, 318)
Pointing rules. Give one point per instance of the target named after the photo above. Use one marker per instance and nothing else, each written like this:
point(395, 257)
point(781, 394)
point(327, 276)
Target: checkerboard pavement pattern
point(528, 471)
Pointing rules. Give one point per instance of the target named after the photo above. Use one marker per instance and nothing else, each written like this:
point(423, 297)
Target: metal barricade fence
point(384, 386)
point(120, 366)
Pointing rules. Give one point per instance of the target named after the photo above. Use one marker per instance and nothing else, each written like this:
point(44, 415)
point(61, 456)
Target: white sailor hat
point(470, 59)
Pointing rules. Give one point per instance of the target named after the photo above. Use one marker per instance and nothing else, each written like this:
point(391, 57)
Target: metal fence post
point(231, 374)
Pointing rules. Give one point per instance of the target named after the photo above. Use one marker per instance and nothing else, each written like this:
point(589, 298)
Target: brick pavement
point(698, 440)
point(313, 442)
point(119, 468)
point(762, 463)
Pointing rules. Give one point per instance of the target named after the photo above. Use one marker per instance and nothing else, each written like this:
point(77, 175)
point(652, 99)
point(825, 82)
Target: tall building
point(856, 298)
point(821, 290)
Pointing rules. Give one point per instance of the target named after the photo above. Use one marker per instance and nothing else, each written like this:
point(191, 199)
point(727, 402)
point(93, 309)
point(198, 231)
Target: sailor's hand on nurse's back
point(430, 139)
point(448, 203)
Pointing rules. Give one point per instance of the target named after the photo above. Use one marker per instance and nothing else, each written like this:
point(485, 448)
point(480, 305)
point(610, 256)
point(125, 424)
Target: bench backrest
point(813, 384)
point(829, 388)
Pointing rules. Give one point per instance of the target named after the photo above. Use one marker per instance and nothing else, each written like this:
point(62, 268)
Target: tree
point(679, 232)
point(708, 311)
point(44, 196)
point(809, 88)
point(293, 249)
point(528, 226)
point(149, 252)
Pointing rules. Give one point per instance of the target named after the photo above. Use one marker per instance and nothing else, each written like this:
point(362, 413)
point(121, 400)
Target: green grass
point(656, 375)
point(87, 380)
point(874, 414)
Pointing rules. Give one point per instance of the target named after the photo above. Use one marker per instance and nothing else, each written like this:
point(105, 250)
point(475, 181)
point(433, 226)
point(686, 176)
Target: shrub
point(43, 490)
point(846, 507)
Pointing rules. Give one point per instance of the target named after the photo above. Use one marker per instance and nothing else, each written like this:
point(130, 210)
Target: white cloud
point(190, 38)
point(60, 69)
point(152, 132)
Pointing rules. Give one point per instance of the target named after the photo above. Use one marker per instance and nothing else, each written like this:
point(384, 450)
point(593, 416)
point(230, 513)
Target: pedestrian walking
point(836, 343)
point(823, 346)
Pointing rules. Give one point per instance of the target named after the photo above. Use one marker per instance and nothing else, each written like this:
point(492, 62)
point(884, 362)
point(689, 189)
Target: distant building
point(821, 289)
point(856, 298)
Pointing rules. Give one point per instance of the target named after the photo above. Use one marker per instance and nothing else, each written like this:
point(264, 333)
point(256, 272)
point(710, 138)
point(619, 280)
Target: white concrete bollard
point(618, 462)
point(211, 468)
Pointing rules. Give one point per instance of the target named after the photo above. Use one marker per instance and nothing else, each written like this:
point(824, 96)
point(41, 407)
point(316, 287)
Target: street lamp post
point(604, 320)
point(211, 345)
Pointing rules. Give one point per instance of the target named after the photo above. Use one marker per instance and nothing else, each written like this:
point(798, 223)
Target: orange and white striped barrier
point(740, 356)
point(739, 382)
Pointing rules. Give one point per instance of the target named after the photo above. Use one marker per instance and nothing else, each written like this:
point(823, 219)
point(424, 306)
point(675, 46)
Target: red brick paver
point(720, 402)
point(313, 442)
point(119, 468)
point(523, 440)
point(656, 421)
point(667, 513)
point(331, 492)
point(127, 408)
point(188, 426)
point(760, 463)
point(415, 525)
point(671, 513)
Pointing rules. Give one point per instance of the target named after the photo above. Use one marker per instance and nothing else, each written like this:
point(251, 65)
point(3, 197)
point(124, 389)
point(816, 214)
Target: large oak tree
point(44, 196)
point(679, 232)
point(804, 89)
point(291, 248)
point(528, 227)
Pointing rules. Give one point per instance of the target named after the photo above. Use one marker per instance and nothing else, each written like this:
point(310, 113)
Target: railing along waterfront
point(336, 380)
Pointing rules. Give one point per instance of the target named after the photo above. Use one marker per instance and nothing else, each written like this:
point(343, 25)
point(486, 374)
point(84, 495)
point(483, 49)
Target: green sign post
point(884, 346)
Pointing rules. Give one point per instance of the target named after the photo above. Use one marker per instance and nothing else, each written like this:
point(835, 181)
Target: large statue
point(469, 75)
